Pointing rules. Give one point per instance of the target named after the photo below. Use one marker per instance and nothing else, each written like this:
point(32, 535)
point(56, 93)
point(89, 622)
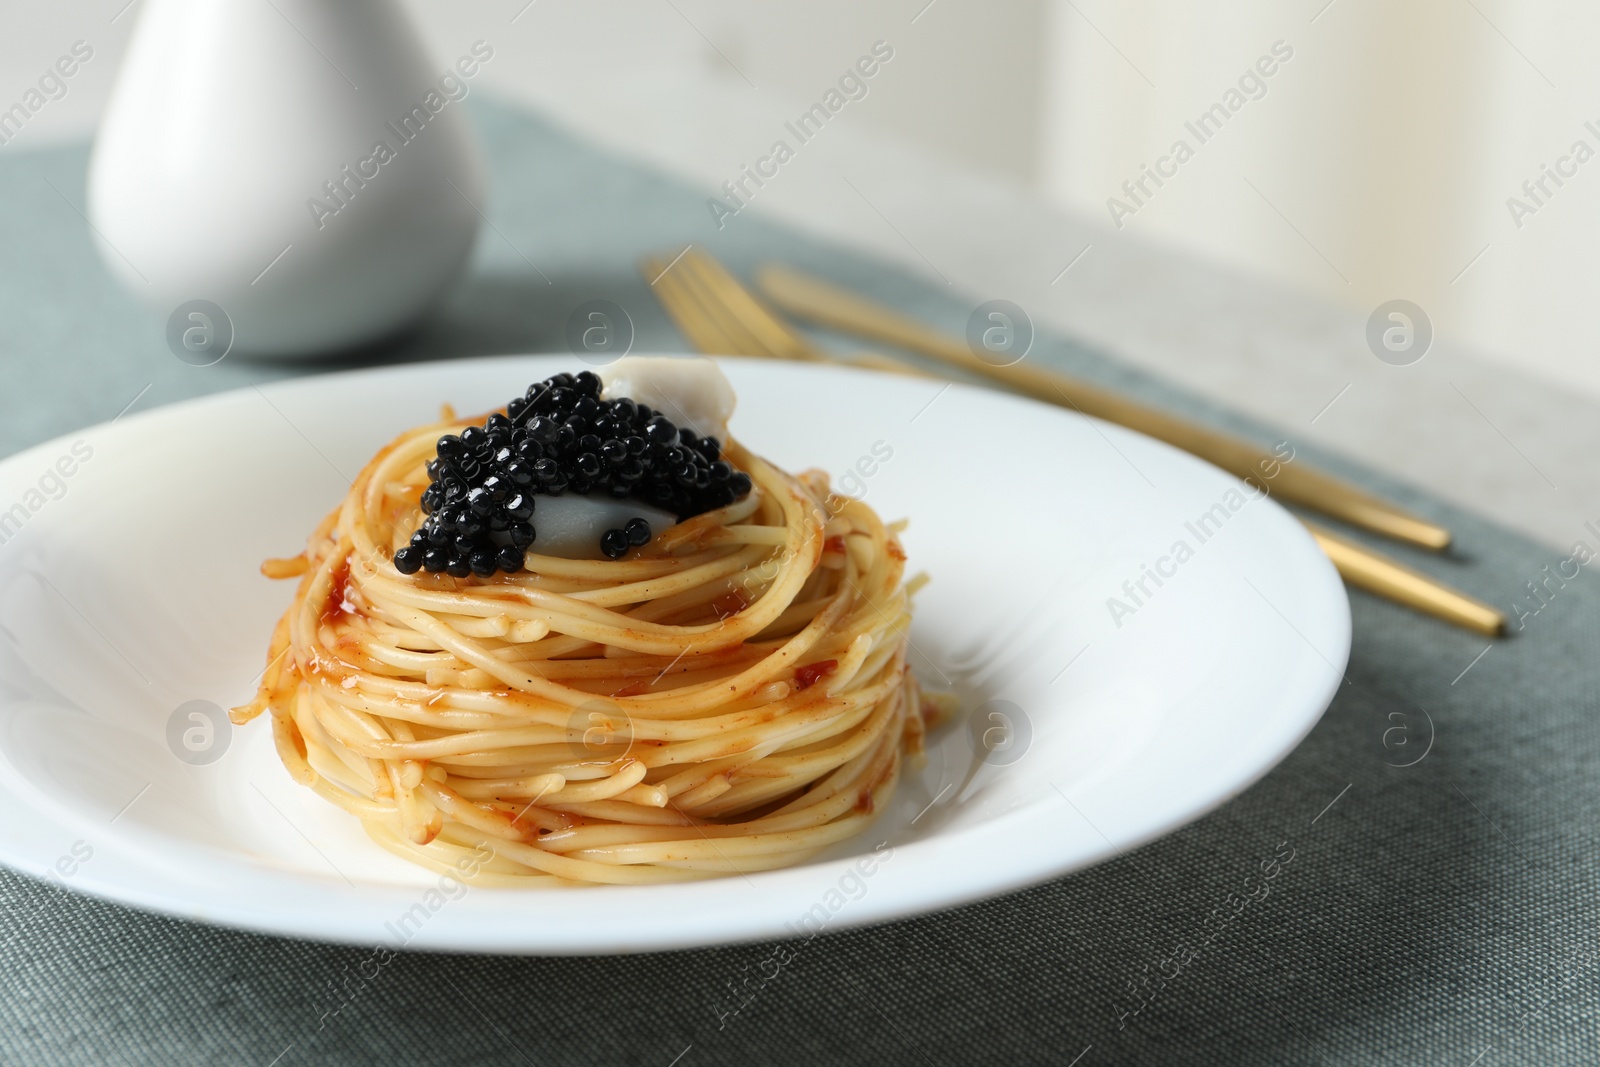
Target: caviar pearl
point(614, 543)
point(660, 432)
point(408, 560)
point(638, 531)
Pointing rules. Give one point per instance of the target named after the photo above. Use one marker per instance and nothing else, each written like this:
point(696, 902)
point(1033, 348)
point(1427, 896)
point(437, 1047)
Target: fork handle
point(821, 302)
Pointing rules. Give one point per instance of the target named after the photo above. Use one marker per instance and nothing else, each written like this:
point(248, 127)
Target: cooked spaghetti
point(733, 696)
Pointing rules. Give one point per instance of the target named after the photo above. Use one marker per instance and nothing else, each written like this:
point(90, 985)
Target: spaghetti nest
point(732, 697)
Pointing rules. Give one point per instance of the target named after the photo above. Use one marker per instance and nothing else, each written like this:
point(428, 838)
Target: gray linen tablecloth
point(1444, 912)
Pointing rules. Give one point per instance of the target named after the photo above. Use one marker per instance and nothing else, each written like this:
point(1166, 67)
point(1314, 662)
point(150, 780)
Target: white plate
point(131, 588)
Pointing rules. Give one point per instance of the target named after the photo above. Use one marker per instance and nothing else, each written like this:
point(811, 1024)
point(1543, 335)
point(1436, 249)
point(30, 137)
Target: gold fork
point(720, 316)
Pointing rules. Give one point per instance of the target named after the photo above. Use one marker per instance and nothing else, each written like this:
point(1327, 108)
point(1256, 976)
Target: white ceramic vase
point(299, 163)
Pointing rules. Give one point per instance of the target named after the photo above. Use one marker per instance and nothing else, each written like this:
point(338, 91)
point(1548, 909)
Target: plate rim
point(451, 931)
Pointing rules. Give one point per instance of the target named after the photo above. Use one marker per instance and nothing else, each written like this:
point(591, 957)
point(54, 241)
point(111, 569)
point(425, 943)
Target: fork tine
point(719, 316)
point(725, 293)
point(715, 304)
point(710, 296)
point(764, 328)
point(702, 330)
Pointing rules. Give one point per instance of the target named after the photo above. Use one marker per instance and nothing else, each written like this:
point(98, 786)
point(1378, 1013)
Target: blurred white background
point(1377, 164)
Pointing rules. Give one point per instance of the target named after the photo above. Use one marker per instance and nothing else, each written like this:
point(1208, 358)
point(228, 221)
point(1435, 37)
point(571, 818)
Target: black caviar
point(560, 437)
